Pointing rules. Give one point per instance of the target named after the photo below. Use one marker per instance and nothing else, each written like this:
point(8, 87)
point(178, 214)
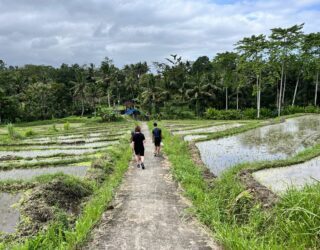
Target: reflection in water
point(297, 176)
point(212, 129)
point(9, 216)
point(28, 174)
point(194, 137)
point(272, 142)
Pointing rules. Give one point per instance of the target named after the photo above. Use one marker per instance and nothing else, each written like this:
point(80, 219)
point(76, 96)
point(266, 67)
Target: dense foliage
point(271, 72)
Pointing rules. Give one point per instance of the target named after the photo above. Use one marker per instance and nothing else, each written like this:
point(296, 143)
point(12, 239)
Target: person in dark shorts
point(157, 138)
point(138, 141)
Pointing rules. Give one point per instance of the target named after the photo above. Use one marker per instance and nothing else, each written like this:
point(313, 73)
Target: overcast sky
point(83, 31)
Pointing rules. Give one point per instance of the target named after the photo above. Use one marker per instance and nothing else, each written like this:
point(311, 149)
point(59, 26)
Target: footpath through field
point(148, 212)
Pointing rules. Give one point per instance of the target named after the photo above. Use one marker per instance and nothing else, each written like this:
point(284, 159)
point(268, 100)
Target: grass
point(12, 133)
point(237, 220)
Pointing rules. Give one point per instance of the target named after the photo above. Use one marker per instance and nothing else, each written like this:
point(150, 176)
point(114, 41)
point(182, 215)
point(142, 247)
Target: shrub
point(29, 133)
point(268, 113)
point(212, 113)
point(66, 126)
point(170, 111)
point(250, 113)
point(12, 133)
point(292, 110)
point(108, 114)
point(230, 114)
point(311, 109)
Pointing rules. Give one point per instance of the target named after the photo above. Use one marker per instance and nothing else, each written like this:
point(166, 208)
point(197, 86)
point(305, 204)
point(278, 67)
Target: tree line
point(274, 71)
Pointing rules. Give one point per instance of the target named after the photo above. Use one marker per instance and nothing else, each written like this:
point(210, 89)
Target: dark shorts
point(157, 142)
point(139, 151)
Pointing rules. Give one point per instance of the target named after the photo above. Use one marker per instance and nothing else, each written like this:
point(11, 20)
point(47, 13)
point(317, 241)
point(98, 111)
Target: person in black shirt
point(157, 138)
point(138, 141)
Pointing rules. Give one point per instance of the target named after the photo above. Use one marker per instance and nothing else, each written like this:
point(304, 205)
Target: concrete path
point(149, 212)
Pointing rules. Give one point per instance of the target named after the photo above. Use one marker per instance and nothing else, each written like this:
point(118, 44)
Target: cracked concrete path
point(149, 213)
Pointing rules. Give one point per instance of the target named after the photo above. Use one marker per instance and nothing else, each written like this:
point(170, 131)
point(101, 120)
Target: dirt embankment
point(259, 192)
point(46, 203)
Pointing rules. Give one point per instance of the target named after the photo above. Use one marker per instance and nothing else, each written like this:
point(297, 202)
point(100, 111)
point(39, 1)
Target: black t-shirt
point(138, 139)
point(156, 133)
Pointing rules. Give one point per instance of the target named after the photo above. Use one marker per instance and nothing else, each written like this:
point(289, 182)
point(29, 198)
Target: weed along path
point(148, 212)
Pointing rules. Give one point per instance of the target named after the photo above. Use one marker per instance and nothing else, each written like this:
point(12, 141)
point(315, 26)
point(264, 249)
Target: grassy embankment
point(237, 220)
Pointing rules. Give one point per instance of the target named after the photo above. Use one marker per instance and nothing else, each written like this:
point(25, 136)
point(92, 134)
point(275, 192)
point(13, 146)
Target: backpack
point(157, 133)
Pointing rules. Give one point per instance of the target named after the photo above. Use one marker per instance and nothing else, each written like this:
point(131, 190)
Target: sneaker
point(138, 165)
point(154, 154)
point(142, 166)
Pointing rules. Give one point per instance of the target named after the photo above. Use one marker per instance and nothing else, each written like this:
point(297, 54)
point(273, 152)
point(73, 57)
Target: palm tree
point(79, 88)
point(200, 91)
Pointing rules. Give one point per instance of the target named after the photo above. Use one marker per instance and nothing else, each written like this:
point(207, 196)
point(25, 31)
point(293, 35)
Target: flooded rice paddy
point(194, 137)
point(278, 141)
point(28, 174)
point(50, 151)
point(211, 129)
point(9, 215)
point(297, 176)
point(42, 153)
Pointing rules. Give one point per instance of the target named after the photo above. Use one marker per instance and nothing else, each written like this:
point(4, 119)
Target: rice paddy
point(264, 193)
point(51, 152)
point(268, 142)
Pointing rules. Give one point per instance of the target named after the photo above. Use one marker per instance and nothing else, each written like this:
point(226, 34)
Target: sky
point(52, 32)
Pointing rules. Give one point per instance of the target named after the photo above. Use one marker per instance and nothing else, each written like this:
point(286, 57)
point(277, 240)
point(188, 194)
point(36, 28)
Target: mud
point(46, 201)
point(260, 193)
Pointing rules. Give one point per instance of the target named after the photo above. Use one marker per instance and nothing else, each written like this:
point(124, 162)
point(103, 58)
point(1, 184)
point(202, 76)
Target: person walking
point(157, 138)
point(138, 141)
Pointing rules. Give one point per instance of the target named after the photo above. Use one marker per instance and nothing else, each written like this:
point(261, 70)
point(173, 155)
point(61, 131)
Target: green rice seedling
point(29, 133)
point(54, 128)
point(66, 126)
point(12, 133)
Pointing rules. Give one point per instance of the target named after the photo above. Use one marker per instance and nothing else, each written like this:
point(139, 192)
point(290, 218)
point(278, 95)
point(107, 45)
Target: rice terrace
point(202, 131)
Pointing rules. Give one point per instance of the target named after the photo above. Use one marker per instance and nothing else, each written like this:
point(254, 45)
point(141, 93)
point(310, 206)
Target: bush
point(230, 114)
point(268, 113)
point(12, 133)
point(250, 113)
point(292, 110)
point(108, 114)
point(29, 133)
point(175, 112)
point(311, 109)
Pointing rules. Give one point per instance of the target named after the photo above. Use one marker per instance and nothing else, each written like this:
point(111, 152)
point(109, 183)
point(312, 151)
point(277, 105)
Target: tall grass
point(66, 126)
point(12, 133)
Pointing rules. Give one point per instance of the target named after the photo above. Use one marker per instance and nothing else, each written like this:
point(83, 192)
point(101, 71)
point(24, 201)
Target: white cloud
point(73, 31)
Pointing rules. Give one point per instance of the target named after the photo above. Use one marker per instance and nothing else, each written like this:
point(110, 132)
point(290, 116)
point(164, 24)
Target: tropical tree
point(311, 47)
point(79, 88)
point(224, 65)
point(253, 54)
point(284, 42)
